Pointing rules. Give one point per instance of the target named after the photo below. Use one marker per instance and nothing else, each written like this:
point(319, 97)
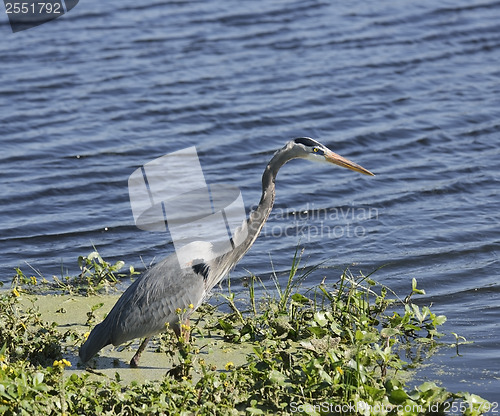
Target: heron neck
point(259, 216)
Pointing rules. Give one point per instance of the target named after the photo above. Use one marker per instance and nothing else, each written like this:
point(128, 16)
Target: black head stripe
point(306, 141)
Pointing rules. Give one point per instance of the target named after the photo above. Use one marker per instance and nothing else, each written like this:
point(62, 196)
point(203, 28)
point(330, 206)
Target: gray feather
point(148, 305)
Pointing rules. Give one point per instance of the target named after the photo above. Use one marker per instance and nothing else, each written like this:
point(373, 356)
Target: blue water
point(409, 90)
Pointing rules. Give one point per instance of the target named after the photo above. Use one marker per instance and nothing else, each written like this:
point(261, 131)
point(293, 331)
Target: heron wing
point(152, 301)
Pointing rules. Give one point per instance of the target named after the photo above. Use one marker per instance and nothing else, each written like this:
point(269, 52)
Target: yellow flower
point(191, 306)
point(86, 335)
point(339, 370)
point(178, 311)
point(15, 292)
point(185, 327)
point(3, 366)
point(33, 280)
point(61, 364)
point(229, 366)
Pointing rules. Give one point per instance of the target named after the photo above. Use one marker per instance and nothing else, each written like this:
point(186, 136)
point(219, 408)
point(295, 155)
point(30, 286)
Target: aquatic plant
point(342, 348)
point(96, 275)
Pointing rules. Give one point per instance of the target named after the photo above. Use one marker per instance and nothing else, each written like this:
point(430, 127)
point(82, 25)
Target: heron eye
point(318, 150)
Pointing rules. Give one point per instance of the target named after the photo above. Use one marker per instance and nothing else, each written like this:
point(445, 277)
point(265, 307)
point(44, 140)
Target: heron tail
point(98, 339)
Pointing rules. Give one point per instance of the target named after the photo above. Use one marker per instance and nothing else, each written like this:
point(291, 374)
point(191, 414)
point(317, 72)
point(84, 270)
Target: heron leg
point(134, 362)
point(183, 331)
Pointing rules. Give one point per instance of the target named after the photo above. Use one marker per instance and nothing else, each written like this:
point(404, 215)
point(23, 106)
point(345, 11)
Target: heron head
point(310, 149)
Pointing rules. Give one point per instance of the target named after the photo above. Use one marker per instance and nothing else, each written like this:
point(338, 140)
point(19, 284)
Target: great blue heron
point(153, 300)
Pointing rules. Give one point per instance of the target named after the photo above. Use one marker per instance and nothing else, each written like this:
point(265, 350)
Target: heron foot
point(134, 362)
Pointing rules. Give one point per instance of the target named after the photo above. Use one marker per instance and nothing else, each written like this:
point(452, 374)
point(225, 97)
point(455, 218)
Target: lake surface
point(409, 90)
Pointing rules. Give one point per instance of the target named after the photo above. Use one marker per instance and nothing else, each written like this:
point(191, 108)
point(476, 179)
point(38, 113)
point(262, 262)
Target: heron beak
point(346, 163)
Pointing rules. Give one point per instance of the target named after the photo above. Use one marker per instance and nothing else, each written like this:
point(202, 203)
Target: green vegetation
point(333, 349)
point(96, 275)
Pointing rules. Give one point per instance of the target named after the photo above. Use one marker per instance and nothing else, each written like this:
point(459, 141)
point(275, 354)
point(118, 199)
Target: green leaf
point(389, 332)
point(320, 318)
point(428, 385)
point(366, 336)
point(439, 320)
point(38, 378)
point(94, 255)
point(414, 287)
point(277, 378)
point(317, 331)
point(297, 297)
point(118, 265)
point(398, 396)
point(226, 327)
point(325, 376)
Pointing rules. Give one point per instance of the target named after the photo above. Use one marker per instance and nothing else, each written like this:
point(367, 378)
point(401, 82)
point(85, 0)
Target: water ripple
point(408, 90)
